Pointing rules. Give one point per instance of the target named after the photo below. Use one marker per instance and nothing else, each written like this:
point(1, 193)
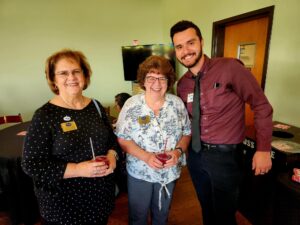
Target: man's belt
point(221, 147)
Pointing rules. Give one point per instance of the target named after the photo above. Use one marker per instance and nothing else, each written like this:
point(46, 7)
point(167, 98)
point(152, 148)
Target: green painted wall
point(32, 30)
point(283, 76)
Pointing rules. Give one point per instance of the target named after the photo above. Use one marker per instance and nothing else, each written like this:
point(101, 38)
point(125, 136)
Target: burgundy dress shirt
point(226, 85)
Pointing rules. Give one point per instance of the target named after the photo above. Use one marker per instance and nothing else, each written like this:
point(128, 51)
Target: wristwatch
point(179, 149)
point(115, 154)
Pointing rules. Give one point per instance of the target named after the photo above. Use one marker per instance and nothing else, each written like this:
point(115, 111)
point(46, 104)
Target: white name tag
point(190, 97)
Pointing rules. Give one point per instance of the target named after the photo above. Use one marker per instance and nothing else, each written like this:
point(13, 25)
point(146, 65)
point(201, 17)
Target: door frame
point(218, 34)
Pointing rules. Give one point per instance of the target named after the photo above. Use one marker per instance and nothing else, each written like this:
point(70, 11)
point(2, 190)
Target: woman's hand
point(153, 162)
point(92, 168)
point(89, 168)
point(111, 156)
point(175, 155)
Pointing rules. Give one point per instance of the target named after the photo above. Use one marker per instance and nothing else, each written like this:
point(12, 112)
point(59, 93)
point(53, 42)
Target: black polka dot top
point(55, 137)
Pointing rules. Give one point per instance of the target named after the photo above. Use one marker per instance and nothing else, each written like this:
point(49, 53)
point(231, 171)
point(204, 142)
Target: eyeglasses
point(65, 73)
point(161, 80)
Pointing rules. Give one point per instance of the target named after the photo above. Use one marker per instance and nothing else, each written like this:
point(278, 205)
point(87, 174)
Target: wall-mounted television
point(134, 55)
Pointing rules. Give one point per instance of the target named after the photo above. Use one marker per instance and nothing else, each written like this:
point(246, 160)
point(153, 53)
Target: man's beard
point(196, 61)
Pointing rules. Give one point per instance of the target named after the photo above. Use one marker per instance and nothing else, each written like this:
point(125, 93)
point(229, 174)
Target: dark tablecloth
point(287, 208)
point(16, 188)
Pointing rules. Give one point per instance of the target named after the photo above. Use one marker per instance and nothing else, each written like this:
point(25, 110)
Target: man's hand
point(261, 162)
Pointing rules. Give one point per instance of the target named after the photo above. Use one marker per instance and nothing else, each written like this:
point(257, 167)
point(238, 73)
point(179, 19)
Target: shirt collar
point(143, 100)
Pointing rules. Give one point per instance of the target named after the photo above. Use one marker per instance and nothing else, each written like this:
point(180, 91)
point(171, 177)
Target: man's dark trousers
point(216, 175)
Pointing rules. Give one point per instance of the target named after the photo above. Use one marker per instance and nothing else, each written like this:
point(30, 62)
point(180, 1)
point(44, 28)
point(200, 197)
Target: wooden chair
point(2, 120)
point(11, 119)
point(107, 110)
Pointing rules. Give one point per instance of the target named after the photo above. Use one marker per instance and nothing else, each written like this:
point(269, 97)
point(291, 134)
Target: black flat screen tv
point(134, 55)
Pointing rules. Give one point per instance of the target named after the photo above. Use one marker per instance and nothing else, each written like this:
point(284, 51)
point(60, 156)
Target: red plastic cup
point(102, 158)
point(163, 157)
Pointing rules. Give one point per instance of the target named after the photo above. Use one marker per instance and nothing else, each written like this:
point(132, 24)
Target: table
point(259, 194)
point(287, 209)
point(16, 188)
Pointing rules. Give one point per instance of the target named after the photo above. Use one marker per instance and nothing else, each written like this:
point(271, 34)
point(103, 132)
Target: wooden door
point(251, 30)
point(250, 33)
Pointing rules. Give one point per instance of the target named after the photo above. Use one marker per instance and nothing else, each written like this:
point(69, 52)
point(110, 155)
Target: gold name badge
point(143, 120)
point(68, 126)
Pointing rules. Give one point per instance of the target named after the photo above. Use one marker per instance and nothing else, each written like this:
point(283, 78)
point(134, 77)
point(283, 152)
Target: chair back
point(107, 110)
point(11, 119)
point(2, 120)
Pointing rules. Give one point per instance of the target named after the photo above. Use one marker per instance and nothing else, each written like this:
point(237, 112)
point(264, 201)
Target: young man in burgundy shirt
point(225, 86)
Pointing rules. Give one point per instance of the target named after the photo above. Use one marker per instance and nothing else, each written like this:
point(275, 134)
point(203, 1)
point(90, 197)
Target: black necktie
point(196, 142)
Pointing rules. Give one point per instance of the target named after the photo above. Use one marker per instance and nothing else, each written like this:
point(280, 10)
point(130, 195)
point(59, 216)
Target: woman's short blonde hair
point(159, 65)
point(78, 56)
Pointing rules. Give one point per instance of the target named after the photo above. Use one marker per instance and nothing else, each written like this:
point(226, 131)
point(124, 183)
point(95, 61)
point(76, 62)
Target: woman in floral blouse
point(150, 123)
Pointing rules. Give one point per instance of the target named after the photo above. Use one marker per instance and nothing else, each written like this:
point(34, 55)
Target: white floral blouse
point(137, 122)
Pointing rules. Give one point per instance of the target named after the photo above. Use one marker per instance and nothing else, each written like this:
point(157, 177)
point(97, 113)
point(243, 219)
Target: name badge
point(143, 120)
point(190, 97)
point(68, 126)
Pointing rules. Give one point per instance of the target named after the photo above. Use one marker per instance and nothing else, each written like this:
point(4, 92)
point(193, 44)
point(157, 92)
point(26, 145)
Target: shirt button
point(205, 118)
point(201, 93)
point(205, 130)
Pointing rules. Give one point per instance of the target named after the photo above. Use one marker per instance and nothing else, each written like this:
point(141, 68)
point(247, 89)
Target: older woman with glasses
point(153, 128)
point(66, 133)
